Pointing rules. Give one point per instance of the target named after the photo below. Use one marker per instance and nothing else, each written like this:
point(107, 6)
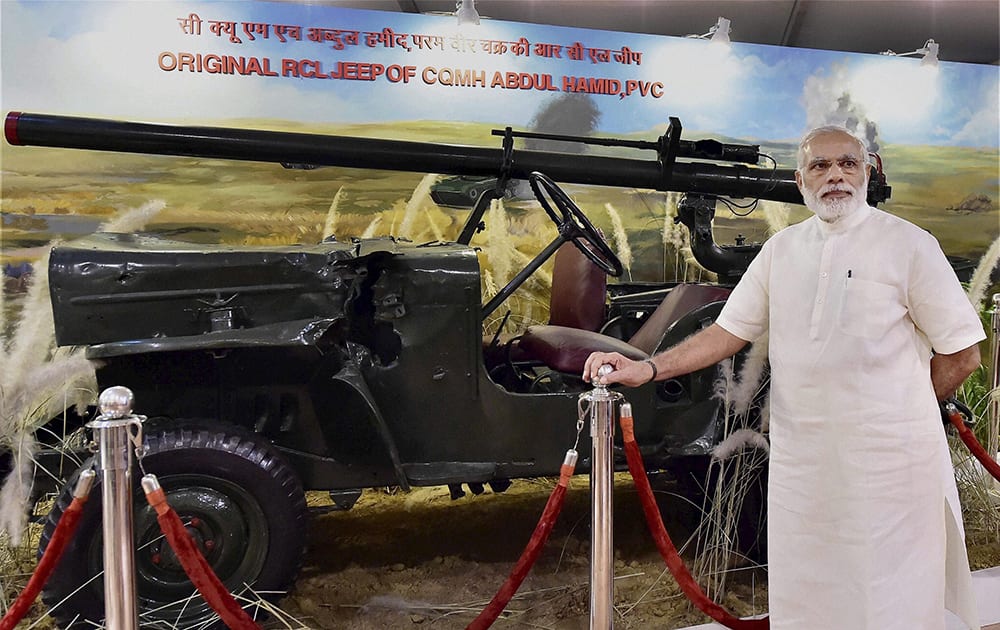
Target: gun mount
point(707, 180)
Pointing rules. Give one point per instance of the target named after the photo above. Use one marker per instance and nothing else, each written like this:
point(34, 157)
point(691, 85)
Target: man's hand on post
point(701, 350)
point(626, 371)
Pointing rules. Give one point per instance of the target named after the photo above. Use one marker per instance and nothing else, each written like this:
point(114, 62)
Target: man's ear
point(798, 179)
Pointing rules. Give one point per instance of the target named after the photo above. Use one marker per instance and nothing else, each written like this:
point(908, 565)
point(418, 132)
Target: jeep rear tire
point(238, 498)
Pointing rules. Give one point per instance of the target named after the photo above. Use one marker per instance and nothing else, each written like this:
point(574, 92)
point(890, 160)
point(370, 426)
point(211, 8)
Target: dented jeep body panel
point(361, 361)
point(112, 288)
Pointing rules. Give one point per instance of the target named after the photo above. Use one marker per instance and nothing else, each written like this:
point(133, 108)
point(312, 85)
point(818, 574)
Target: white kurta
point(863, 514)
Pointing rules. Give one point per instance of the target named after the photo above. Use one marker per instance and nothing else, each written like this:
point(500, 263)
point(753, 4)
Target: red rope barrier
point(666, 548)
point(531, 551)
point(197, 568)
point(53, 551)
point(971, 442)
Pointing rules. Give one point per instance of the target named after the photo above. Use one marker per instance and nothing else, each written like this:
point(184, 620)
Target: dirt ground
point(419, 559)
point(422, 560)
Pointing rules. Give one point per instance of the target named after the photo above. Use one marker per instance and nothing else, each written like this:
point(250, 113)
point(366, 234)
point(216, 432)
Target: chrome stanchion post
point(601, 486)
point(114, 441)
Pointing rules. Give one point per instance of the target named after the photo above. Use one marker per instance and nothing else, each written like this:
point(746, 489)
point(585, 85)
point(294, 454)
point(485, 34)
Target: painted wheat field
point(61, 192)
point(52, 194)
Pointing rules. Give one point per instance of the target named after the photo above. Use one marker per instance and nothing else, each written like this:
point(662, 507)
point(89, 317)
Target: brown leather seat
point(566, 349)
point(579, 290)
point(681, 300)
point(577, 301)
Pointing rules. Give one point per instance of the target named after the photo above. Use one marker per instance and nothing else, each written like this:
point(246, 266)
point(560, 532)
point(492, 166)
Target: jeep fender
point(350, 375)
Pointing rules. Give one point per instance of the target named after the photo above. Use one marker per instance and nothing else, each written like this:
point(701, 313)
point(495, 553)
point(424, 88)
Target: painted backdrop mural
point(285, 66)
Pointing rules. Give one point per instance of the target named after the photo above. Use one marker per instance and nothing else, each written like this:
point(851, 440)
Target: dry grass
point(736, 463)
point(620, 238)
point(330, 226)
point(980, 282)
point(38, 383)
point(979, 492)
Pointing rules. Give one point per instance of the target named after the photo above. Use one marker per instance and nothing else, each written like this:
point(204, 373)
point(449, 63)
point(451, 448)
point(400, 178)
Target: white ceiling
point(966, 30)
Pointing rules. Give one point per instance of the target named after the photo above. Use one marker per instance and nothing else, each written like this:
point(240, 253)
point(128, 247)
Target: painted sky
point(100, 59)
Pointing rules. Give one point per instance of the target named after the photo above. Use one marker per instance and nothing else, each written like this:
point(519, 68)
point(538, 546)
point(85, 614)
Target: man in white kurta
point(864, 525)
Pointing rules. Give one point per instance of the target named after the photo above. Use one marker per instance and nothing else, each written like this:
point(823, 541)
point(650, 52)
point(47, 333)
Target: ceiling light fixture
point(718, 34)
point(465, 12)
point(929, 52)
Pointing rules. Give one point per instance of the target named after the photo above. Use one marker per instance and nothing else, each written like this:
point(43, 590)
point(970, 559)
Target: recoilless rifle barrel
point(664, 173)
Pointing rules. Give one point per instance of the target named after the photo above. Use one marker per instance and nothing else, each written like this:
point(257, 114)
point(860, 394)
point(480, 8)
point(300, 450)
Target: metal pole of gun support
point(601, 486)
point(111, 431)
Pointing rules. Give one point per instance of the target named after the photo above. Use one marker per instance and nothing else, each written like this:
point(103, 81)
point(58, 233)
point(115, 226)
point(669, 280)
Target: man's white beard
point(832, 210)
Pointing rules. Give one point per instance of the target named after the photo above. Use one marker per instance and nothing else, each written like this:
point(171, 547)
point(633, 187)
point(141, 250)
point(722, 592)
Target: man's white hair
point(800, 157)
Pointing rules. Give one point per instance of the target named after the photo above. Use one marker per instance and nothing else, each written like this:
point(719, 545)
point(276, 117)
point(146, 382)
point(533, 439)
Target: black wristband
point(651, 364)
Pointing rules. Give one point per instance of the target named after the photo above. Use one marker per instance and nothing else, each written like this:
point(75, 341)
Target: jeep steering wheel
point(573, 224)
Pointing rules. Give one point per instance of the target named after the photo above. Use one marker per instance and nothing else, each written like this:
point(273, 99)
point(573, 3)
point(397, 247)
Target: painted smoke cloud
point(828, 101)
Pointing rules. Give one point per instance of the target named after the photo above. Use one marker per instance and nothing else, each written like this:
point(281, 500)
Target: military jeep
point(361, 363)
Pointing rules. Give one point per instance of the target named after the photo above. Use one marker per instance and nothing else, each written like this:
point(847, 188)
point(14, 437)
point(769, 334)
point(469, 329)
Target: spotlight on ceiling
point(929, 52)
point(465, 12)
point(931, 56)
point(718, 34)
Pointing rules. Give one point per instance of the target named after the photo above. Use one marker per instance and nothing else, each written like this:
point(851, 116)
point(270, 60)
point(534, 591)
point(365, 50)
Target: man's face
point(833, 180)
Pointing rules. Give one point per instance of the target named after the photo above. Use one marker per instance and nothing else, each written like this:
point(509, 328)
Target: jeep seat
point(566, 349)
point(577, 299)
point(579, 290)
